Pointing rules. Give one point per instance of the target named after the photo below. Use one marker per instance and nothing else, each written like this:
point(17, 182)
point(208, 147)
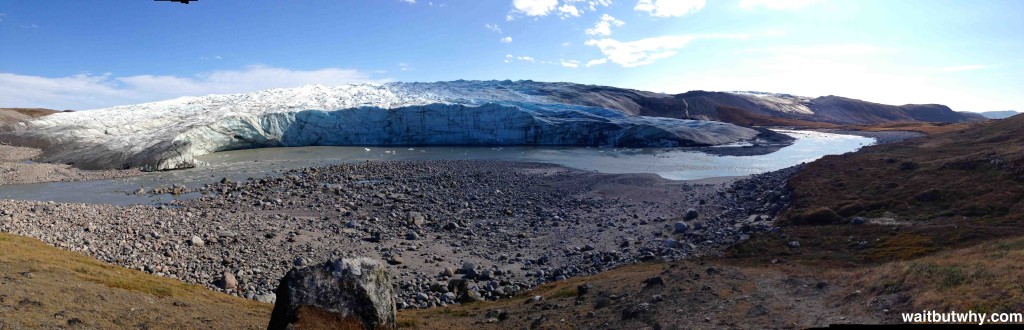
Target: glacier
point(168, 135)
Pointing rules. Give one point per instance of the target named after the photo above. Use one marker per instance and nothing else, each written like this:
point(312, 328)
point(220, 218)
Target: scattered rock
point(227, 281)
point(345, 293)
point(680, 227)
point(690, 214)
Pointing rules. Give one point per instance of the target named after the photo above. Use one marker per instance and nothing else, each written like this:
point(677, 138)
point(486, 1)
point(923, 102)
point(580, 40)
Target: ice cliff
point(169, 134)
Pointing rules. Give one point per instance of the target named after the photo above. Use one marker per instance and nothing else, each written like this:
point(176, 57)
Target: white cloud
point(640, 52)
point(669, 8)
point(526, 59)
point(588, 4)
point(568, 10)
point(89, 91)
point(506, 40)
point(604, 26)
point(597, 62)
point(404, 66)
point(570, 63)
point(534, 7)
point(645, 51)
point(493, 27)
point(409, 1)
point(775, 4)
point(969, 67)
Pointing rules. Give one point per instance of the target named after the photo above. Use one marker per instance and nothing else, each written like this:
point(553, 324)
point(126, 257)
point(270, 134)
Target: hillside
point(973, 173)
point(48, 288)
point(11, 115)
point(826, 109)
point(999, 114)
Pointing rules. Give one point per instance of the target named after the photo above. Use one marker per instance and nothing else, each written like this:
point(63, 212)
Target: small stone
point(228, 281)
point(681, 227)
point(269, 298)
point(690, 214)
point(396, 260)
point(794, 244)
point(196, 241)
point(415, 219)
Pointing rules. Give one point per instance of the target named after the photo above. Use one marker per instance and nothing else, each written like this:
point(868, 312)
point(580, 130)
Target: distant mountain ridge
point(740, 107)
point(710, 105)
point(999, 114)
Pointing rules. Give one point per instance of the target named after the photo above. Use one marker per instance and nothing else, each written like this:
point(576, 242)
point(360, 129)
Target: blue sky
point(90, 54)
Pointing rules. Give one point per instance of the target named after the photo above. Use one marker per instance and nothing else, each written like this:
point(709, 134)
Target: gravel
point(498, 227)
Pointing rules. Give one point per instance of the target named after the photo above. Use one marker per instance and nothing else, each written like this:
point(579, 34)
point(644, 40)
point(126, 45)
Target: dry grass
point(44, 287)
point(926, 128)
point(985, 278)
point(974, 175)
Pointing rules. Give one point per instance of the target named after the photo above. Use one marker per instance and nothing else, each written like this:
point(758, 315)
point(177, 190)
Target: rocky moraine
point(452, 231)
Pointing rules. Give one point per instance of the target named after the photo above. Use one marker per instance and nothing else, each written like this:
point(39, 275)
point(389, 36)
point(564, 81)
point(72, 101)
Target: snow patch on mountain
point(784, 103)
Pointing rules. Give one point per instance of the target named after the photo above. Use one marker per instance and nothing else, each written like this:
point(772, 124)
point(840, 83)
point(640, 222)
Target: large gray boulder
point(340, 294)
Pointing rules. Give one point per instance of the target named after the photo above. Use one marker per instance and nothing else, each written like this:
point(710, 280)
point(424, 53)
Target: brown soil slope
point(44, 287)
point(10, 115)
point(975, 173)
point(717, 293)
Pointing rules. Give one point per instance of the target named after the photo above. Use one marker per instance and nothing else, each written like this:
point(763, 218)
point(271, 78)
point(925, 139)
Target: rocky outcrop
point(343, 294)
point(169, 134)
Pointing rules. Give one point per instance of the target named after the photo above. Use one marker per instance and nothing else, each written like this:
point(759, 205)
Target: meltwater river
point(674, 164)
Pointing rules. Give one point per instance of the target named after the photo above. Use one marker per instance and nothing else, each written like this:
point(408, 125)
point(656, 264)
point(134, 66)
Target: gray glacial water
point(674, 164)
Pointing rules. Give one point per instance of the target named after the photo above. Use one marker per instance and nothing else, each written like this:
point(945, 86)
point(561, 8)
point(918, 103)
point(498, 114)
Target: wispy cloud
point(597, 62)
point(506, 40)
point(88, 91)
point(669, 8)
point(603, 27)
point(776, 4)
point(409, 1)
point(570, 63)
point(493, 27)
point(567, 10)
point(509, 58)
point(2, 15)
point(969, 67)
point(646, 51)
point(534, 7)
